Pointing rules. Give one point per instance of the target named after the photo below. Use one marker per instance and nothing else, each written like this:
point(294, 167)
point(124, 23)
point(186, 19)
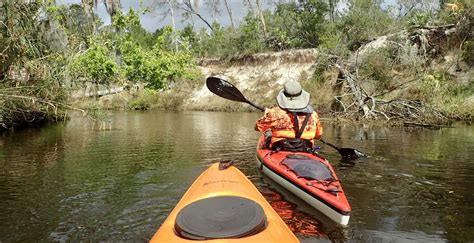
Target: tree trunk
point(189, 8)
point(88, 8)
point(262, 19)
point(205, 21)
point(331, 10)
point(112, 6)
point(249, 3)
point(230, 14)
point(174, 25)
point(96, 91)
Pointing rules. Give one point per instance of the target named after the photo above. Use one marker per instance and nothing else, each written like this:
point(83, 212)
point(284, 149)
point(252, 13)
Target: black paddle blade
point(351, 153)
point(347, 153)
point(224, 89)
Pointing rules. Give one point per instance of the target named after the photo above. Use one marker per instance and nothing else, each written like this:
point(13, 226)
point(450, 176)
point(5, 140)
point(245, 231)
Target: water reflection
point(70, 183)
point(298, 222)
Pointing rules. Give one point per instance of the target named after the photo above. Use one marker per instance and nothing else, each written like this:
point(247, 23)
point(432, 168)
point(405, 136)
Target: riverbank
point(435, 95)
point(413, 68)
point(428, 96)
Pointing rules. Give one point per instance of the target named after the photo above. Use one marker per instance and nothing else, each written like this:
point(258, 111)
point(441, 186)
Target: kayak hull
point(228, 182)
point(317, 194)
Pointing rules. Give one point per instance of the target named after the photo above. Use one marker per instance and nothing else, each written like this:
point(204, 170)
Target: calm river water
point(69, 182)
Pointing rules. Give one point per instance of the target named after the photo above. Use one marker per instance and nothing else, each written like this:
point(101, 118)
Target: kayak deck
point(230, 182)
point(309, 177)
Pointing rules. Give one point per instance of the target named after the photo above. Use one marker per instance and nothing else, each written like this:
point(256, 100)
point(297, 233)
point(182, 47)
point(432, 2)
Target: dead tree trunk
point(358, 93)
point(230, 13)
point(188, 7)
point(175, 39)
point(262, 19)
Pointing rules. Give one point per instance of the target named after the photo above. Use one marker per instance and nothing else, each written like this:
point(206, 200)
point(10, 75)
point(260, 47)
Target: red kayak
point(308, 176)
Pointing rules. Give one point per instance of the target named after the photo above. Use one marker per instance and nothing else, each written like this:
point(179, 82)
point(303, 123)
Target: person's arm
point(265, 122)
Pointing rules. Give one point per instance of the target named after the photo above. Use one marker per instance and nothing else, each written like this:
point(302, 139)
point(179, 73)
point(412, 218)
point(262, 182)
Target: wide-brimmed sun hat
point(292, 96)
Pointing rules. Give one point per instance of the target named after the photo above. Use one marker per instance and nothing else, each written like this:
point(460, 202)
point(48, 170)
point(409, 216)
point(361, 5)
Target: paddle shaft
point(254, 105)
point(331, 145)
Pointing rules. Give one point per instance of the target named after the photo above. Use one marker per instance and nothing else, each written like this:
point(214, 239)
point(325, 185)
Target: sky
point(155, 19)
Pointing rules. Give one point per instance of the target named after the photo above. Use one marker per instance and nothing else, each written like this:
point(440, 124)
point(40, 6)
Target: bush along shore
point(408, 62)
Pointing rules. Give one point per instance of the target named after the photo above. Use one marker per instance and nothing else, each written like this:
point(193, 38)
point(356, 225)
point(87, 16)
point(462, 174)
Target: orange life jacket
point(281, 123)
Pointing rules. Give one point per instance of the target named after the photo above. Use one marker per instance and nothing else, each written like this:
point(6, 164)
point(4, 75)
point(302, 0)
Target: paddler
point(292, 124)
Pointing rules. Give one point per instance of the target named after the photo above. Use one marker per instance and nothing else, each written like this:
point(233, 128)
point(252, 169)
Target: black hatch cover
point(308, 168)
point(219, 218)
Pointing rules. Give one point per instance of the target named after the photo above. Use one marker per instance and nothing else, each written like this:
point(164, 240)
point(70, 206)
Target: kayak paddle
point(346, 152)
point(226, 90)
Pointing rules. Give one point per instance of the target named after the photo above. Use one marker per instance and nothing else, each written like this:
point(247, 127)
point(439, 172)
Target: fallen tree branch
point(44, 101)
point(433, 27)
point(426, 125)
point(359, 93)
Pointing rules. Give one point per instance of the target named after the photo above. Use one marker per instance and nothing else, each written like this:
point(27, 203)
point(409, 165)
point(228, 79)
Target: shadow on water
point(67, 182)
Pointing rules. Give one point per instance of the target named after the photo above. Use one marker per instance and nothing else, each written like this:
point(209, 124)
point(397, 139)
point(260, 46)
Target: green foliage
point(441, 83)
point(321, 66)
point(364, 21)
point(144, 101)
point(22, 37)
point(96, 65)
point(127, 27)
point(139, 103)
point(126, 23)
point(311, 15)
point(95, 112)
point(31, 64)
point(221, 43)
point(298, 24)
point(467, 52)
point(121, 53)
point(420, 19)
point(191, 38)
point(440, 90)
point(217, 44)
point(156, 67)
point(330, 40)
point(135, 60)
point(377, 66)
point(251, 38)
point(170, 101)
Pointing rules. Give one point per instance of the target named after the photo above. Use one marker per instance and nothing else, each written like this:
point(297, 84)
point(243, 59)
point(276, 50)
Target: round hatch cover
point(220, 217)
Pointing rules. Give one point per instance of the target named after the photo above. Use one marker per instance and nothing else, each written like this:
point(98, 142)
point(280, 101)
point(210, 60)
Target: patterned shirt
point(281, 123)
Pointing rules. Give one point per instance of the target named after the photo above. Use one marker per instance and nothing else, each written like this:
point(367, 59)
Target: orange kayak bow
point(222, 205)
